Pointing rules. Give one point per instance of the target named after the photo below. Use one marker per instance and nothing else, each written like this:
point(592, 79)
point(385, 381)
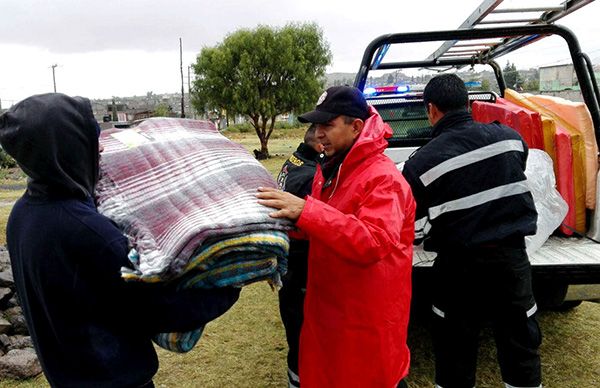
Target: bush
point(247, 127)
point(241, 128)
point(6, 161)
point(287, 125)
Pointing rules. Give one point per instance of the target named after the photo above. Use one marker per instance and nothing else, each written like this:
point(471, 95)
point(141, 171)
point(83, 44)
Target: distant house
point(114, 110)
point(142, 114)
point(134, 114)
point(122, 116)
point(558, 78)
point(139, 107)
point(561, 77)
point(561, 81)
point(123, 113)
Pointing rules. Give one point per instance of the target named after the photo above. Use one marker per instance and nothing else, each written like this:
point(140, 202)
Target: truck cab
point(566, 269)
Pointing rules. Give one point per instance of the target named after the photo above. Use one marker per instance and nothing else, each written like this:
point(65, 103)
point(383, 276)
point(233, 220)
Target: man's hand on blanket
point(287, 205)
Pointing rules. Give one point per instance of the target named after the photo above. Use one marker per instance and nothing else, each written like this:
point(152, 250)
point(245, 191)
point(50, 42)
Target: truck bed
point(578, 259)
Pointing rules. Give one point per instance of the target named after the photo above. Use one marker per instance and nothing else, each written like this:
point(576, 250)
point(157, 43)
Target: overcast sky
point(130, 47)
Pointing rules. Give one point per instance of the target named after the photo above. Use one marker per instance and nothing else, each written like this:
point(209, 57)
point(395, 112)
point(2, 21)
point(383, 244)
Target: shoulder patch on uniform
point(295, 161)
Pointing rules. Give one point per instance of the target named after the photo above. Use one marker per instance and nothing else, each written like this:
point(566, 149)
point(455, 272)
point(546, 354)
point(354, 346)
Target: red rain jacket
point(361, 230)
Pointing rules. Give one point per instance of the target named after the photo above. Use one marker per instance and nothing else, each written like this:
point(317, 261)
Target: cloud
point(70, 26)
point(85, 26)
point(126, 47)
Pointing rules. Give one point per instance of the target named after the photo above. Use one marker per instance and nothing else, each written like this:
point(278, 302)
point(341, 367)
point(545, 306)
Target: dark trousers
point(291, 304)
point(474, 288)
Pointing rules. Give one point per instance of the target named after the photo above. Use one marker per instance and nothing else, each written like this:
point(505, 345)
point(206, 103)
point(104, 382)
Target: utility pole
point(181, 69)
point(53, 76)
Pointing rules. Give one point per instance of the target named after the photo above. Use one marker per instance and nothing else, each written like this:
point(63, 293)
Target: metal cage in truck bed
point(565, 270)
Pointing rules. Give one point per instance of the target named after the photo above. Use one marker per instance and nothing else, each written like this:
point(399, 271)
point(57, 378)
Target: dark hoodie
point(89, 327)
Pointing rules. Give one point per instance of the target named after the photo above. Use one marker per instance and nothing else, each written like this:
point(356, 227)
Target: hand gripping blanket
point(184, 195)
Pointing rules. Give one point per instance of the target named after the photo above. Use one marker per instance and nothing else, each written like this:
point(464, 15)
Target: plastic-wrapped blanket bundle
point(522, 120)
point(569, 155)
point(184, 195)
point(541, 131)
point(551, 207)
point(577, 116)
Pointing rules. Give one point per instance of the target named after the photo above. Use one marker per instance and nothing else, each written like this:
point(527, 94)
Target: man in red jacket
point(359, 220)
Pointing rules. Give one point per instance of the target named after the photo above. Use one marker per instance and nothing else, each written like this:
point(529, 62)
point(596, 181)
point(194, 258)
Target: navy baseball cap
point(336, 101)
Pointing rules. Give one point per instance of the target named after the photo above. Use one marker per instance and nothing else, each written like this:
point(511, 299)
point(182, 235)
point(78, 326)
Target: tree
point(262, 73)
point(532, 85)
point(511, 76)
point(485, 85)
point(151, 100)
point(113, 109)
point(162, 110)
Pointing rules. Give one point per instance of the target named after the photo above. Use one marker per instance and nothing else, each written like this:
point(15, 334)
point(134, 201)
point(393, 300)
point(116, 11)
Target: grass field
point(246, 347)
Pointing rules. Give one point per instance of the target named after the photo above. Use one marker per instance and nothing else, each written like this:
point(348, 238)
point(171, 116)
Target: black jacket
point(88, 326)
point(297, 172)
point(296, 177)
point(470, 185)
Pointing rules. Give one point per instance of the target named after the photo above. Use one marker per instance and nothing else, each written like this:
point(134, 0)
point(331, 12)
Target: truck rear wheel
point(551, 296)
point(566, 305)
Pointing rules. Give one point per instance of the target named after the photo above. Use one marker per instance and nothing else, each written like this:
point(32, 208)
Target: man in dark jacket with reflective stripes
point(474, 209)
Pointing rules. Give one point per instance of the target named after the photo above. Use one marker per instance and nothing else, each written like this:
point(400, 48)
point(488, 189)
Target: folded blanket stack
point(184, 195)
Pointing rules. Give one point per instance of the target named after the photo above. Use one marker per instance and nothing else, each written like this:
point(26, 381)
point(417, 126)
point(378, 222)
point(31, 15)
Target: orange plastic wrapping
point(568, 141)
point(576, 115)
point(514, 116)
point(538, 131)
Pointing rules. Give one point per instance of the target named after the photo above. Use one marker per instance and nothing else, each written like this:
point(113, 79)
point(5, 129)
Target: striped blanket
point(185, 197)
point(172, 184)
point(235, 261)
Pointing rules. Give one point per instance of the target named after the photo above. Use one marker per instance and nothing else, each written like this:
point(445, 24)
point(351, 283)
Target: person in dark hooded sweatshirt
point(89, 327)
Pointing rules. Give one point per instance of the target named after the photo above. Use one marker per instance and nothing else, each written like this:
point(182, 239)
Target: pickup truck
point(566, 270)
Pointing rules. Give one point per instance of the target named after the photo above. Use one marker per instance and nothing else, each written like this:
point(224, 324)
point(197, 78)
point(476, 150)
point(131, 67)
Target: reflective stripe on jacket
point(469, 183)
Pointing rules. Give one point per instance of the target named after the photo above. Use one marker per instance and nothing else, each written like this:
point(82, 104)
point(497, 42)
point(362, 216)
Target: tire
point(550, 296)
point(565, 306)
